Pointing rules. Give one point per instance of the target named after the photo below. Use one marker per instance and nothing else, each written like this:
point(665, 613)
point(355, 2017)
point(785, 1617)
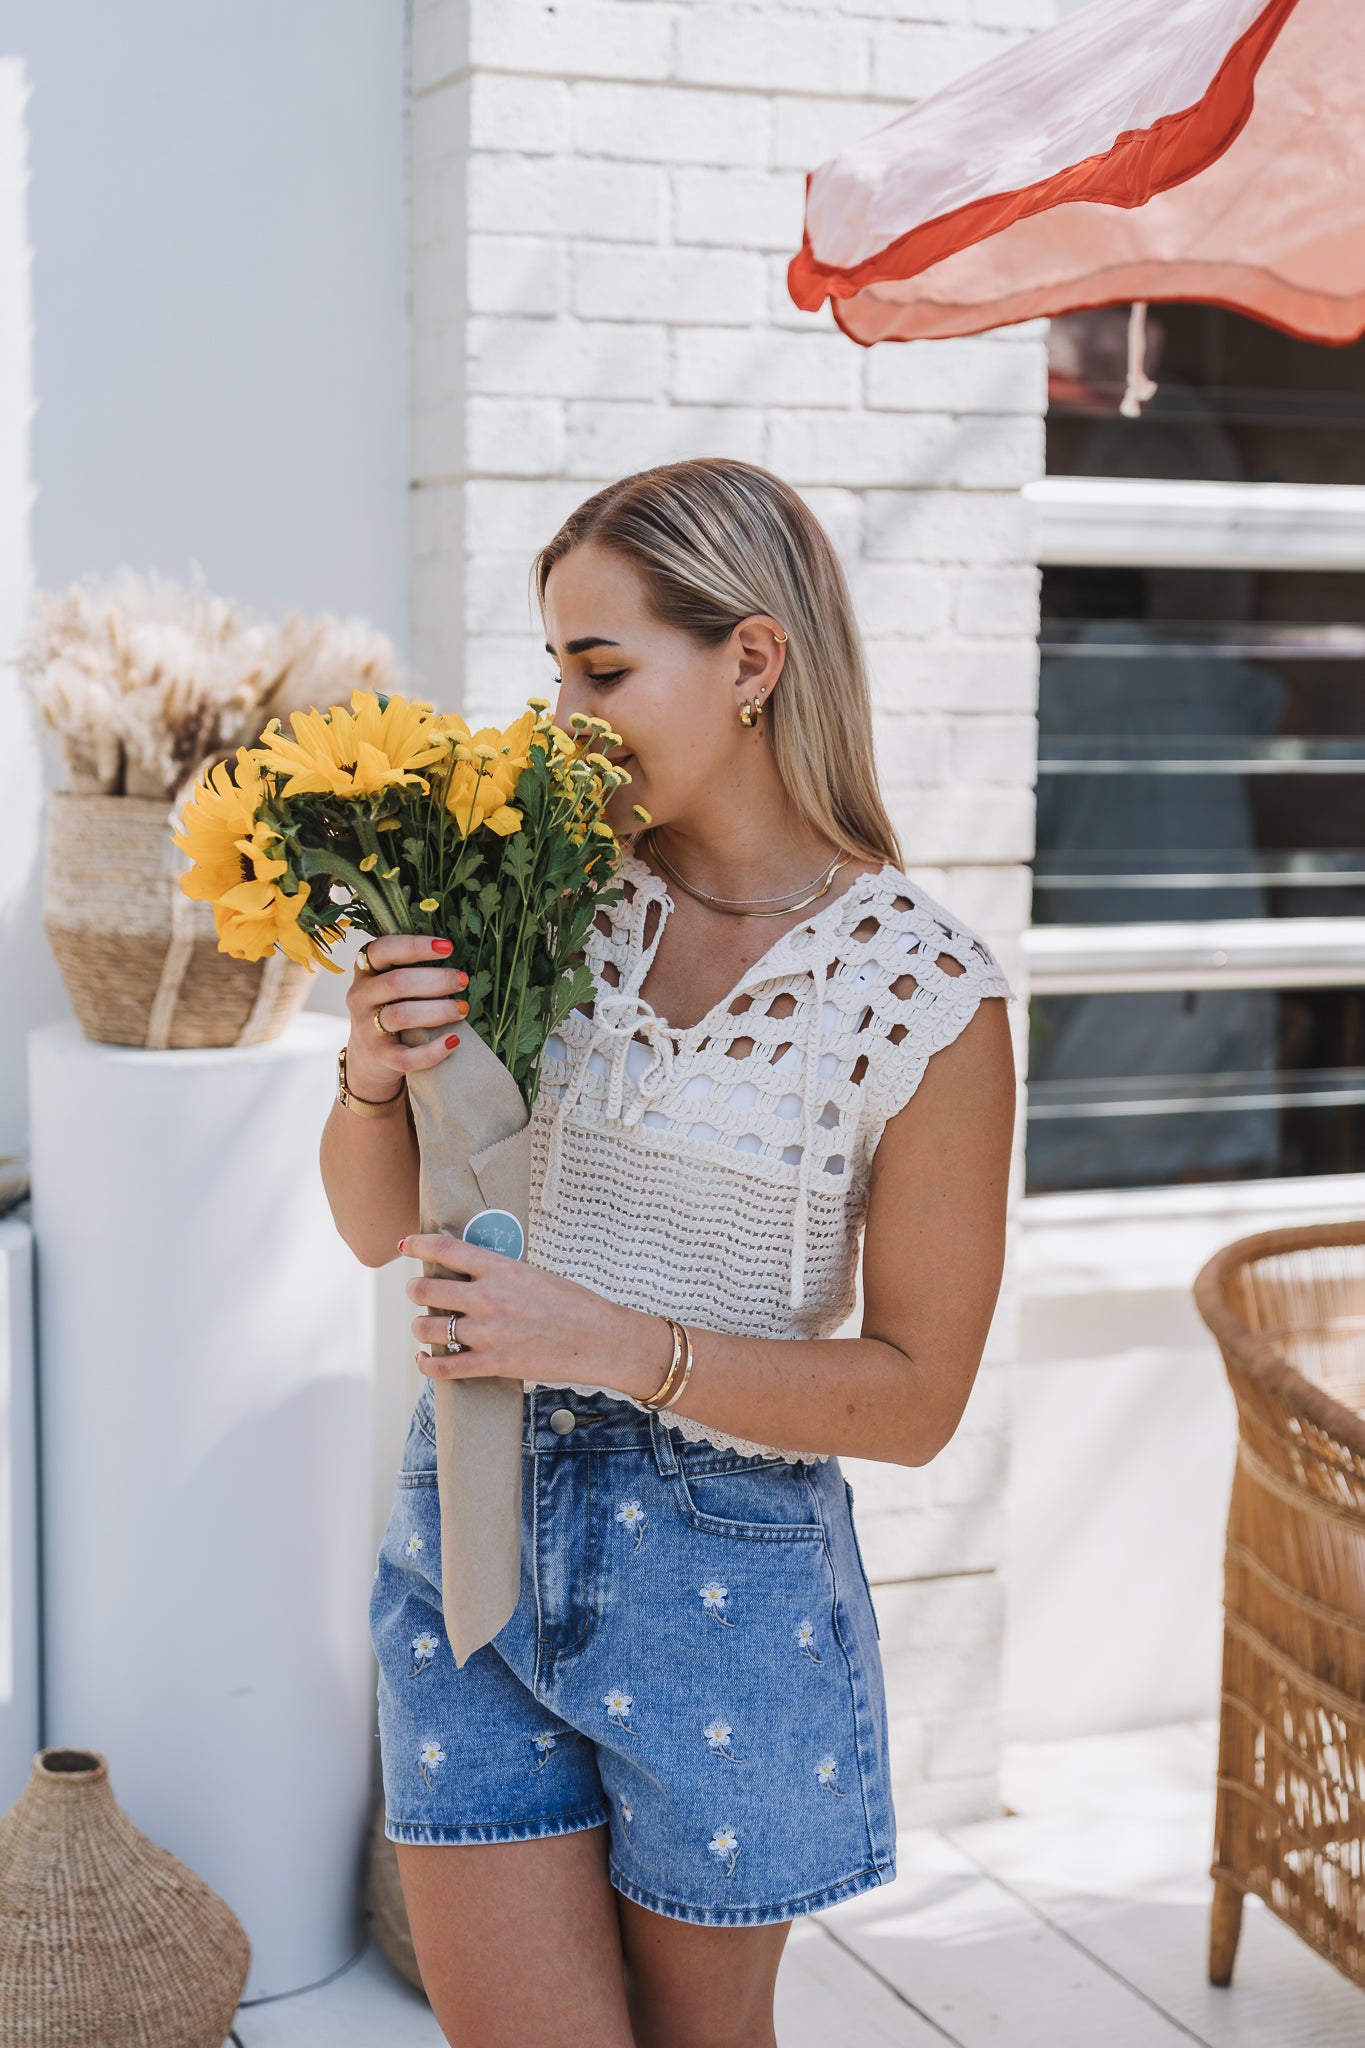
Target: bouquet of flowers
point(393, 817)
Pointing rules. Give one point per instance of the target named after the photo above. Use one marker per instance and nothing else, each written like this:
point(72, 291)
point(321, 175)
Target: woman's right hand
point(414, 991)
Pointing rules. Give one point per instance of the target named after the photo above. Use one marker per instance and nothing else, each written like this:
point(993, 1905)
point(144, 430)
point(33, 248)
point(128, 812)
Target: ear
point(760, 656)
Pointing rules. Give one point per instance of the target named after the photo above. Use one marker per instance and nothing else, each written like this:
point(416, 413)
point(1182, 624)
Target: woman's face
point(674, 703)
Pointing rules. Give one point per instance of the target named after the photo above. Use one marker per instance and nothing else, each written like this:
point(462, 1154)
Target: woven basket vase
point(139, 958)
point(106, 1940)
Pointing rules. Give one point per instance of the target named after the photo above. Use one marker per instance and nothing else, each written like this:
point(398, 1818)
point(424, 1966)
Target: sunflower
point(222, 834)
point(374, 746)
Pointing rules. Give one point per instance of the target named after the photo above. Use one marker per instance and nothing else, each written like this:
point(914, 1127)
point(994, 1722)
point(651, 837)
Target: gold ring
point(380, 1025)
point(362, 960)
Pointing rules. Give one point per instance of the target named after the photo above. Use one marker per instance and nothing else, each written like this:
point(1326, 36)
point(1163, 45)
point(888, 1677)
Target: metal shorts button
point(562, 1421)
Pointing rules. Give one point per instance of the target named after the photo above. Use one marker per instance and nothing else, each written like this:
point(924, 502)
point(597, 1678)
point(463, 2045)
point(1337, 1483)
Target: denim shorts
point(692, 1663)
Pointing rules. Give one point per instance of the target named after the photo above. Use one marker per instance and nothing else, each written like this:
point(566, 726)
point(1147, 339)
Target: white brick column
point(605, 196)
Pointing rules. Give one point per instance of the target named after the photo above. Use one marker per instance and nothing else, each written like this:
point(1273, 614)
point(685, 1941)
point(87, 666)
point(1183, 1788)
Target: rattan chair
point(1288, 1310)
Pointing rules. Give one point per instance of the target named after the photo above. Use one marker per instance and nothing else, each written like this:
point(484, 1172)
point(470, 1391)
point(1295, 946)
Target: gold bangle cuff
point(363, 1105)
point(681, 1387)
point(654, 1400)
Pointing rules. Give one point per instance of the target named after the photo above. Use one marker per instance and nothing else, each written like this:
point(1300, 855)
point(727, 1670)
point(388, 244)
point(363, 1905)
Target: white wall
point(605, 200)
point(1123, 1438)
point(216, 208)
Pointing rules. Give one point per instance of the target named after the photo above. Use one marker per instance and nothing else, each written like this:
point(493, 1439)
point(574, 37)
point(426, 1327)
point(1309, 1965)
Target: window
point(1198, 942)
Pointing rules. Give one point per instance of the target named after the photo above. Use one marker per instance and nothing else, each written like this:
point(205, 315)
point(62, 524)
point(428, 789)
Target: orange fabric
point(1252, 198)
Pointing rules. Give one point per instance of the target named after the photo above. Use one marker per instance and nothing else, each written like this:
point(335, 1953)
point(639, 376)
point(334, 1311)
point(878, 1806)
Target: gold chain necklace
point(737, 906)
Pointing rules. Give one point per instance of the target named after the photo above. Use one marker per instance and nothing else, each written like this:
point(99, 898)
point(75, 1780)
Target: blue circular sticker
point(496, 1230)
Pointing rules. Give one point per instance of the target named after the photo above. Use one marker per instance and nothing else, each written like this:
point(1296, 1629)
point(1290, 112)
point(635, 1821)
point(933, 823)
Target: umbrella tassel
point(1139, 387)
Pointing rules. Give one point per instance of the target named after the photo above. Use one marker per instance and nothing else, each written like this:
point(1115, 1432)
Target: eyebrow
point(582, 646)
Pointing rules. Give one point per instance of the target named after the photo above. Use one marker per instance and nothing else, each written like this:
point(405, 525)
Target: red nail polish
point(461, 977)
point(453, 1040)
point(443, 945)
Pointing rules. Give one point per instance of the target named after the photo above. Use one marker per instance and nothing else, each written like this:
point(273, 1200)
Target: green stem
point(369, 839)
point(315, 861)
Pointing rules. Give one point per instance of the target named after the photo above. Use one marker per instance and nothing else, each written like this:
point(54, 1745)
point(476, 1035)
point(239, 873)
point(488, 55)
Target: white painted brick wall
point(605, 199)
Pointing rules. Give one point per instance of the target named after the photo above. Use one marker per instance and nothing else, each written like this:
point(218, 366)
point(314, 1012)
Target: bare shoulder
point(965, 1100)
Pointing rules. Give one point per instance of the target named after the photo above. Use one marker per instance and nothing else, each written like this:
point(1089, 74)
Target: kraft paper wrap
point(475, 1141)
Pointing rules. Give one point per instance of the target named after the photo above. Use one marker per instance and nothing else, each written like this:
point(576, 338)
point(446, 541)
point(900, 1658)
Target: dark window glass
point(1197, 1085)
point(1201, 745)
point(1235, 400)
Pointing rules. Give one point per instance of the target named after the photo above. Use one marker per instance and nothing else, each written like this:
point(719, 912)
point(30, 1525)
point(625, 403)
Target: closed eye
point(611, 676)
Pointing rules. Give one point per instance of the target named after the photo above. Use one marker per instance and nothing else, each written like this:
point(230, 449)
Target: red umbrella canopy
point(1142, 149)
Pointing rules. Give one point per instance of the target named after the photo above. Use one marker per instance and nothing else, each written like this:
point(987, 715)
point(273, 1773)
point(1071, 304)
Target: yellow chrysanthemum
point(639, 811)
point(221, 832)
point(354, 753)
point(255, 917)
point(485, 778)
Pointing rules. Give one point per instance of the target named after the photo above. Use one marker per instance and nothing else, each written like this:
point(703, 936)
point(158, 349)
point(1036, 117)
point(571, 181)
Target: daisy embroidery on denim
point(543, 1744)
point(618, 1706)
point(430, 1757)
point(805, 1640)
point(825, 1773)
point(725, 1844)
point(713, 1599)
point(413, 1545)
point(718, 1735)
point(631, 1515)
point(424, 1648)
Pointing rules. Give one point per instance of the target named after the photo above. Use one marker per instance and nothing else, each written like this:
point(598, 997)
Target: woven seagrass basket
point(384, 1902)
point(140, 960)
point(106, 1940)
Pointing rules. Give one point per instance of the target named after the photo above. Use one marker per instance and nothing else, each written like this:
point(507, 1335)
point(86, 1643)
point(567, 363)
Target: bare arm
point(933, 1256)
point(369, 1164)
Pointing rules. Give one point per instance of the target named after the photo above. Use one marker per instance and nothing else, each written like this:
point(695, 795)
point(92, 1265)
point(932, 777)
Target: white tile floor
point(1081, 1919)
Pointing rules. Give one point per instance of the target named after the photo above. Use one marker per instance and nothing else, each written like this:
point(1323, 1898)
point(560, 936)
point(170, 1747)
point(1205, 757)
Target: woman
point(609, 1816)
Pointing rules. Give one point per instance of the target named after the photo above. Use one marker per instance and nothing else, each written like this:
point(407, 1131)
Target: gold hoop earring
point(751, 711)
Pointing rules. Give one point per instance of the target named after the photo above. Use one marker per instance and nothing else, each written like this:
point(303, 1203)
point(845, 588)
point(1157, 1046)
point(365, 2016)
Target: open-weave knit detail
point(719, 1173)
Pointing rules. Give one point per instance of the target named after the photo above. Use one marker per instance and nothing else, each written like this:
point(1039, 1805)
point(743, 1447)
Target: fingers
point(401, 949)
point(440, 1248)
point(370, 992)
point(412, 983)
point(434, 1293)
point(436, 1329)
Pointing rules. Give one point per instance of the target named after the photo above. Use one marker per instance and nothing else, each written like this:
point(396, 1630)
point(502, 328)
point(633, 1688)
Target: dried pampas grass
point(142, 680)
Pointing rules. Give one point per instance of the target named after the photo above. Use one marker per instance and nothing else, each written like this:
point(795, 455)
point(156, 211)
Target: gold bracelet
point(687, 1374)
point(364, 1105)
point(656, 1397)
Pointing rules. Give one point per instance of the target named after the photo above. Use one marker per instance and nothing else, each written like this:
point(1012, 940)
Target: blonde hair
point(715, 540)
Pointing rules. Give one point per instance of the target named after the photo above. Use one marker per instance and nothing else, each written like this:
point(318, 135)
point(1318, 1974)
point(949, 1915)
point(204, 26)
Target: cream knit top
point(719, 1174)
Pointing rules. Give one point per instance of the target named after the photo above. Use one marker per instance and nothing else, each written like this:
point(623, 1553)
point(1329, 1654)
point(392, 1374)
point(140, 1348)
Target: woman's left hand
point(520, 1322)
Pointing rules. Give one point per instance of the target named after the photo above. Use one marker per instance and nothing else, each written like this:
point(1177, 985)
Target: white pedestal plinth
point(18, 1515)
point(205, 1364)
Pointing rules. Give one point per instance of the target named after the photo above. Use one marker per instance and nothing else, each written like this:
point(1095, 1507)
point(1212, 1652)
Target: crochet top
point(719, 1173)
